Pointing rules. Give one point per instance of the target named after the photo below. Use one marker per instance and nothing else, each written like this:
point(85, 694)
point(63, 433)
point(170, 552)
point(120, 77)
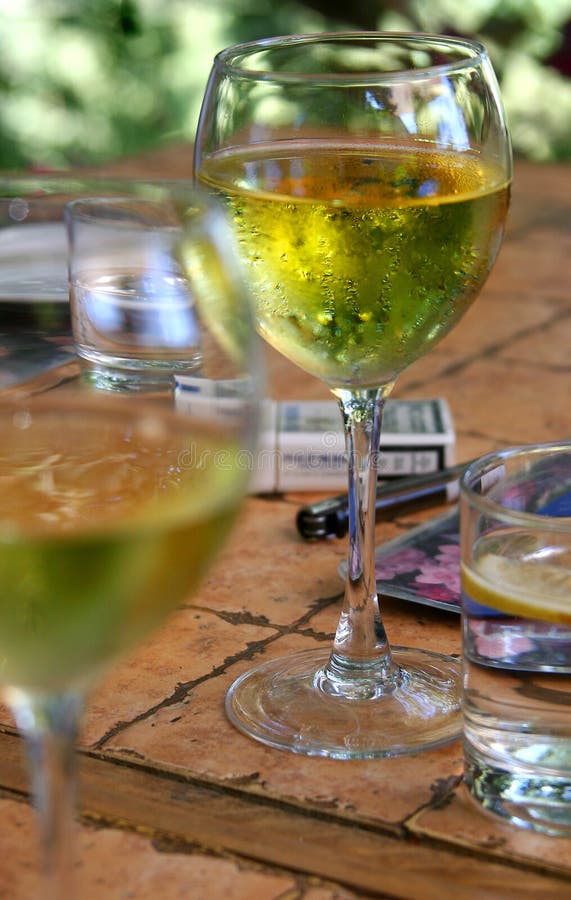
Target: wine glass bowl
point(393, 187)
point(367, 176)
point(116, 507)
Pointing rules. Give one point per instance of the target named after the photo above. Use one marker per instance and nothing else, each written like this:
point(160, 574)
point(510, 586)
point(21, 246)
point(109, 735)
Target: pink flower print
point(442, 573)
point(408, 559)
point(439, 592)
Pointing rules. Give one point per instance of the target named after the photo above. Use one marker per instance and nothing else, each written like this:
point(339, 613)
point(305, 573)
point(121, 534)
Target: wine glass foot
point(280, 704)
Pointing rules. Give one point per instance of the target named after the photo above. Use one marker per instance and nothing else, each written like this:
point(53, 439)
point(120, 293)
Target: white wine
point(107, 521)
point(360, 257)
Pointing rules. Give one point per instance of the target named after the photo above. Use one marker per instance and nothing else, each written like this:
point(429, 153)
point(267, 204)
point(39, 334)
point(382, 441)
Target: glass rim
point(477, 468)
point(83, 208)
point(40, 187)
point(233, 57)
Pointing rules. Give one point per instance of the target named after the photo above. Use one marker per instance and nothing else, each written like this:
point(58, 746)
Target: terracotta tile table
point(175, 803)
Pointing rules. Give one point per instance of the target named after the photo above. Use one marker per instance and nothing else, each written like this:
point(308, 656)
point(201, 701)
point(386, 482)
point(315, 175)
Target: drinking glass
point(34, 290)
point(367, 176)
point(114, 503)
point(129, 303)
point(516, 614)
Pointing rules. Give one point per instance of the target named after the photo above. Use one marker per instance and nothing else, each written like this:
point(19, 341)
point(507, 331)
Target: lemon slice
point(536, 590)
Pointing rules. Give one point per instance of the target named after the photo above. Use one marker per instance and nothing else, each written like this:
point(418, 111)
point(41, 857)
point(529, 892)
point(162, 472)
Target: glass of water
point(516, 611)
point(134, 320)
point(34, 287)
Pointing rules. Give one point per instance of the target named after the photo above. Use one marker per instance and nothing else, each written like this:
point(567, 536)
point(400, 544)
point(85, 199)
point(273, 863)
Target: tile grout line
point(493, 349)
point(252, 649)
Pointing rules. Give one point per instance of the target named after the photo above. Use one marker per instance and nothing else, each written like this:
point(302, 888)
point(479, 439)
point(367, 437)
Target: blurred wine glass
point(113, 502)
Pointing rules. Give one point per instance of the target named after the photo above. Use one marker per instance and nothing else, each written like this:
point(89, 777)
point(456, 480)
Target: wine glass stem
point(49, 724)
point(360, 663)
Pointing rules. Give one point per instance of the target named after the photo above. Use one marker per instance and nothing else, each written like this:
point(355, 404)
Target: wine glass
point(367, 176)
point(113, 503)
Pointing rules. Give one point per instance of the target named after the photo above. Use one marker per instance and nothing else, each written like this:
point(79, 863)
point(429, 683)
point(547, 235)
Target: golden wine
point(106, 523)
point(360, 257)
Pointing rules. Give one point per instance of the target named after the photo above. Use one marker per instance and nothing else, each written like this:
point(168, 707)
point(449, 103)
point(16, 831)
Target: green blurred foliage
point(526, 40)
point(85, 81)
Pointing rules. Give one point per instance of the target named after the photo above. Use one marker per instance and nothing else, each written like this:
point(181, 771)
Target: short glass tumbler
point(132, 310)
point(516, 612)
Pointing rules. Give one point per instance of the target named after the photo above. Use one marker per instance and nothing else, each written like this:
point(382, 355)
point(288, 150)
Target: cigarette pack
point(302, 445)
